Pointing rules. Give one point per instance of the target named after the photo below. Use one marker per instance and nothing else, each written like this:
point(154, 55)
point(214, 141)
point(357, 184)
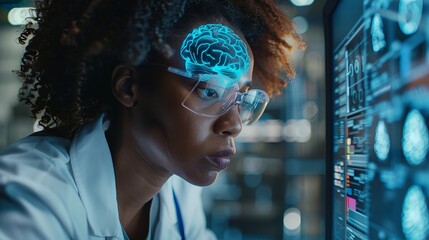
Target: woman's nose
point(230, 123)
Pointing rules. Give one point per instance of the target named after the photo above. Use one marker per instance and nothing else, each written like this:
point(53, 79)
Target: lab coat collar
point(93, 172)
point(168, 227)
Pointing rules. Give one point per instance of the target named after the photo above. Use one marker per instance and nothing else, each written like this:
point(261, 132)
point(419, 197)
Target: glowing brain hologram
point(415, 216)
point(215, 49)
point(415, 138)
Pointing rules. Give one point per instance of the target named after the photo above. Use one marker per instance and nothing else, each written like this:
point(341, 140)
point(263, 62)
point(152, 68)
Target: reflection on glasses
point(213, 95)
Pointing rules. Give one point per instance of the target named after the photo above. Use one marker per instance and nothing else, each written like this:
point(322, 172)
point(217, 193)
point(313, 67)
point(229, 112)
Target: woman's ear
point(124, 85)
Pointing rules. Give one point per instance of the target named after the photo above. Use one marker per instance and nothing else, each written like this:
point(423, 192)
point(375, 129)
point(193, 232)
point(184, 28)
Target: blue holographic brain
point(415, 216)
point(215, 49)
point(382, 141)
point(415, 138)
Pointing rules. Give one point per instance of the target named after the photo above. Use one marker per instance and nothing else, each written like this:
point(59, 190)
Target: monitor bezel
point(329, 8)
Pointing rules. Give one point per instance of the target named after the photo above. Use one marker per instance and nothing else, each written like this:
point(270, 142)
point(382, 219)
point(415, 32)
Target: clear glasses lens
point(210, 99)
point(253, 104)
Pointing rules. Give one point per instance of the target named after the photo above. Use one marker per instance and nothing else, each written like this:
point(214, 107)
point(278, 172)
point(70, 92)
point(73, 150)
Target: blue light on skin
point(415, 216)
point(214, 49)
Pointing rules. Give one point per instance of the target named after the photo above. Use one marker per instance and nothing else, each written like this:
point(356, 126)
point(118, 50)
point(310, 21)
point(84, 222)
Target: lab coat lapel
point(93, 172)
point(168, 227)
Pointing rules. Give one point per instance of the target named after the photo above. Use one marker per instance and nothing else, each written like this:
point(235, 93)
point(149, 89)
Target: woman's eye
point(207, 93)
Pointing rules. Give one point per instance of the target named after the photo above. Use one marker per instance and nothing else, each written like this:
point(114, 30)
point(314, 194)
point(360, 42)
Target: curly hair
point(73, 47)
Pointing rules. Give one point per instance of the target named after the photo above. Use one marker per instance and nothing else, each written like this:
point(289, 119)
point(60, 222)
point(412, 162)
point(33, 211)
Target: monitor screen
point(377, 119)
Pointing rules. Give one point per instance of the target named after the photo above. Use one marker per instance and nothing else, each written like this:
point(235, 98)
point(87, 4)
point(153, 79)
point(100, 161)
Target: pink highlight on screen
point(351, 203)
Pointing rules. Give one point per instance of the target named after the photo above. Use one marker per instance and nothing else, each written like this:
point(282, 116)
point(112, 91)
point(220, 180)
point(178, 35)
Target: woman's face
point(178, 141)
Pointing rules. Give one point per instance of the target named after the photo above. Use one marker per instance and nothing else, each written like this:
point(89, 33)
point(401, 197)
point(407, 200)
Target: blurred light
point(262, 131)
point(252, 180)
point(233, 233)
point(249, 133)
point(294, 130)
point(263, 200)
point(381, 234)
point(292, 219)
point(254, 165)
point(232, 209)
point(301, 24)
point(310, 110)
point(314, 65)
point(301, 3)
point(263, 194)
point(297, 130)
point(272, 130)
point(20, 16)
point(304, 131)
point(289, 131)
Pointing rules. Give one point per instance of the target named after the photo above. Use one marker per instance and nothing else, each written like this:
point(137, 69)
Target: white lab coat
point(54, 189)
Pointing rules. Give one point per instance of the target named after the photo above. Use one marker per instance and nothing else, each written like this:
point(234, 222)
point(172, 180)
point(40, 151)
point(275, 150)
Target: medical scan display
point(380, 115)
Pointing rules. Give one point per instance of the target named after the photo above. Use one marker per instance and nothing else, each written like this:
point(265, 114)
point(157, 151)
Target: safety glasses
point(213, 95)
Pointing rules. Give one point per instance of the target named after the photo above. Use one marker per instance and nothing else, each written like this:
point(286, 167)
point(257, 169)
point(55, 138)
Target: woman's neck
point(137, 180)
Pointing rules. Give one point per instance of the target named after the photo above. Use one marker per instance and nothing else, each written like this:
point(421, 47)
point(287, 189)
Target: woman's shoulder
point(36, 159)
point(37, 187)
point(36, 149)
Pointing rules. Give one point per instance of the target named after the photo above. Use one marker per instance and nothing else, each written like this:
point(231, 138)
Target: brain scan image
point(410, 15)
point(377, 35)
point(415, 217)
point(415, 138)
point(381, 141)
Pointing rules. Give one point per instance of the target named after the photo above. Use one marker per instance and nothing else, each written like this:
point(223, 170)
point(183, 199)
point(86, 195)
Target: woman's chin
point(204, 180)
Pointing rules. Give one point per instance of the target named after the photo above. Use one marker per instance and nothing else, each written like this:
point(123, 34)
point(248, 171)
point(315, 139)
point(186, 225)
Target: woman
point(139, 102)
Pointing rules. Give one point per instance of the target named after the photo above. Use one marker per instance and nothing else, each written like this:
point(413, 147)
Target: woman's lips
point(221, 159)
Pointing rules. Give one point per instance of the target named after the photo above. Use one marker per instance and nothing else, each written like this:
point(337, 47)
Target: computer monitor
point(377, 67)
